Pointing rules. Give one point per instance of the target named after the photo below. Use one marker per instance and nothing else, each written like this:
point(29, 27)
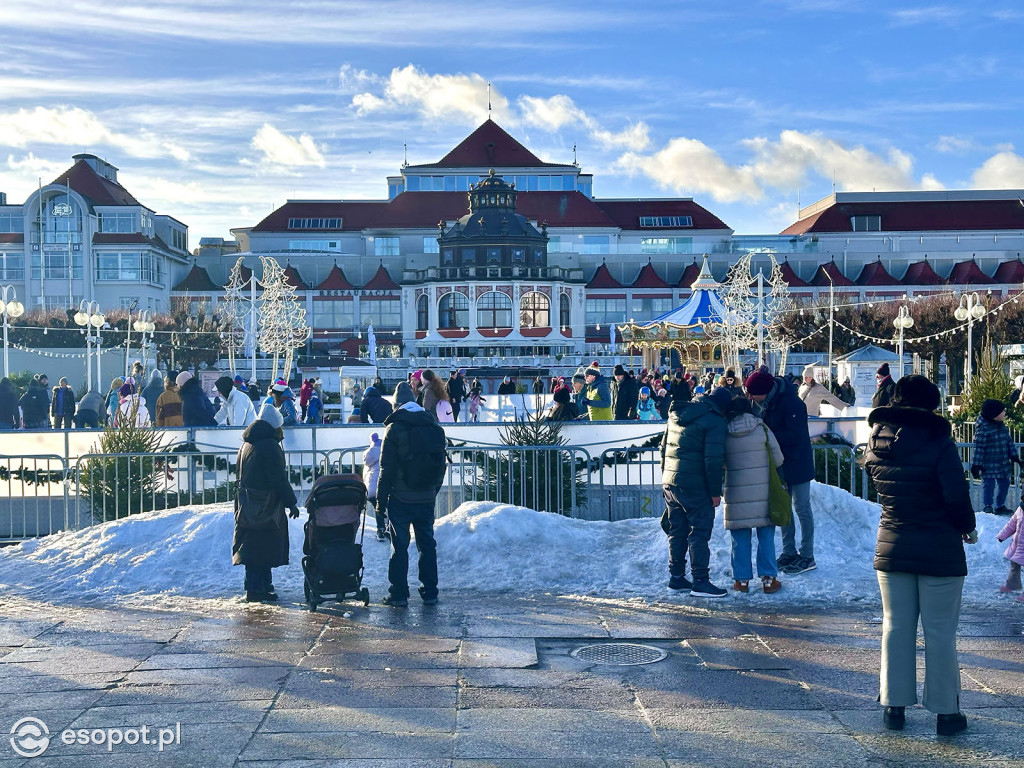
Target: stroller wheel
point(364, 594)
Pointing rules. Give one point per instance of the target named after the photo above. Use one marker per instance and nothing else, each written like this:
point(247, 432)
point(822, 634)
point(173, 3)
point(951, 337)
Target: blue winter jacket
point(786, 416)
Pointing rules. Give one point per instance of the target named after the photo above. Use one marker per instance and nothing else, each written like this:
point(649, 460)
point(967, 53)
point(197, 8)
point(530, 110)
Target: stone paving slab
point(499, 653)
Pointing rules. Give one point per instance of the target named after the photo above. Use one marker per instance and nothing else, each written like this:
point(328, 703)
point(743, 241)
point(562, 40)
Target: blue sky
point(217, 110)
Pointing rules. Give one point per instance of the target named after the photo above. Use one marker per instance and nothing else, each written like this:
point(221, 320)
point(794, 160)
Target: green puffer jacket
point(693, 449)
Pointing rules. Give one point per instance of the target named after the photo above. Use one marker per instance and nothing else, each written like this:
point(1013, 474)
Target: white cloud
point(636, 137)
point(353, 80)
point(953, 145)
point(280, 149)
point(556, 112)
point(1004, 170)
point(463, 97)
point(689, 165)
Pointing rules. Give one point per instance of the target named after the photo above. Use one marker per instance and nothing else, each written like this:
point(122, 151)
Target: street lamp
point(903, 322)
point(10, 308)
point(145, 325)
point(89, 317)
point(970, 309)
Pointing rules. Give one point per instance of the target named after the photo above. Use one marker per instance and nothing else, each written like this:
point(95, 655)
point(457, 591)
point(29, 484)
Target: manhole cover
point(619, 654)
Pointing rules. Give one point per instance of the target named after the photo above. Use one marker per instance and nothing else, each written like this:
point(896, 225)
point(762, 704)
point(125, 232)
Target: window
point(422, 313)
point(61, 301)
point(519, 255)
point(647, 309)
point(448, 259)
point(382, 314)
point(12, 266)
point(868, 223)
point(556, 244)
point(494, 310)
point(56, 265)
point(538, 257)
point(412, 183)
point(564, 310)
point(534, 310)
point(314, 223)
point(134, 267)
point(666, 245)
point(127, 301)
point(666, 221)
point(430, 245)
point(118, 222)
point(314, 245)
point(605, 311)
point(179, 239)
point(595, 244)
point(333, 313)
point(12, 222)
point(494, 255)
point(385, 246)
point(453, 311)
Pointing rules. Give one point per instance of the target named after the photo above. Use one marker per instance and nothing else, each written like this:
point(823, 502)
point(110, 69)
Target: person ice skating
point(847, 393)
point(993, 453)
point(563, 408)
point(131, 409)
point(476, 404)
point(88, 413)
point(692, 463)
point(260, 540)
point(412, 469)
point(1014, 531)
point(886, 387)
point(748, 444)
point(507, 386)
point(304, 393)
point(35, 406)
point(626, 395)
point(776, 402)
point(168, 405)
point(9, 414)
point(152, 391)
point(315, 409)
point(236, 409)
point(196, 408)
point(111, 399)
point(371, 476)
point(538, 386)
point(596, 396)
point(284, 401)
point(919, 555)
point(62, 406)
point(456, 387)
point(646, 407)
point(435, 397)
point(814, 394)
point(375, 408)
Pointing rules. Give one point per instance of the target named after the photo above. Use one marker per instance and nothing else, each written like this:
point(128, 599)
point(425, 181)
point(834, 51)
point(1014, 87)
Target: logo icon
point(62, 209)
point(30, 737)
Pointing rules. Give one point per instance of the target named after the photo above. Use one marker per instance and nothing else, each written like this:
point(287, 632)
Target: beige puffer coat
point(747, 444)
point(814, 394)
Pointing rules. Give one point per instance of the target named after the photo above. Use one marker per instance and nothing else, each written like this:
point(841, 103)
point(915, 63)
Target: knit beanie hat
point(916, 391)
point(645, 391)
point(578, 377)
point(224, 385)
point(562, 395)
point(592, 371)
point(809, 372)
point(279, 386)
point(182, 377)
point(271, 415)
point(883, 370)
point(730, 373)
point(403, 394)
point(760, 382)
point(992, 408)
point(618, 371)
point(127, 389)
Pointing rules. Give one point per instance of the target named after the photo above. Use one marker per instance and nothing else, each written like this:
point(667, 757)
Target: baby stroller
point(333, 562)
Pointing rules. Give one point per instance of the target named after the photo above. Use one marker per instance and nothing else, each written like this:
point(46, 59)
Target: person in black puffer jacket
point(8, 404)
point(693, 469)
point(374, 408)
point(919, 555)
point(627, 393)
point(196, 408)
point(35, 406)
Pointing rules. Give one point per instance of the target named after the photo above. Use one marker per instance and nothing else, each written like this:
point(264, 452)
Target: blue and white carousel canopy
point(702, 307)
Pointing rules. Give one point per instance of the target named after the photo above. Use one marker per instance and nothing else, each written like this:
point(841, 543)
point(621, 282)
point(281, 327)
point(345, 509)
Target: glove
point(583, 402)
point(972, 537)
point(976, 471)
point(293, 512)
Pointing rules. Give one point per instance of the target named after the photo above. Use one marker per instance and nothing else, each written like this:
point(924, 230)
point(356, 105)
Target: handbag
point(780, 506)
point(256, 509)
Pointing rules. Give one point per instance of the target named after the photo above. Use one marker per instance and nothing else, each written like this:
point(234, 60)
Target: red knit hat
point(760, 382)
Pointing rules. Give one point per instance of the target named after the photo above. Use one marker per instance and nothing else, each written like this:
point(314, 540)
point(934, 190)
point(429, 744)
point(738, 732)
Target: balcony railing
point(492, 273)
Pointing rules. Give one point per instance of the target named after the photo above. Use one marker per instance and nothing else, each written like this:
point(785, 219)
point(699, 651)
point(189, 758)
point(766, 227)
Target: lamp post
point(128, 341)
point(145, 325)
point(89, 317)
point(902, 322)
point(970, 309)
point(10, 308)
point(831, 323)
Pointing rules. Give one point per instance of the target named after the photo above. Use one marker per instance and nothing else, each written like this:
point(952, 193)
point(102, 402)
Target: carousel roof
point(703, 306)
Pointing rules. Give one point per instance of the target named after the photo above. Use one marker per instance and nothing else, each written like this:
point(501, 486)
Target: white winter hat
point(271, 415)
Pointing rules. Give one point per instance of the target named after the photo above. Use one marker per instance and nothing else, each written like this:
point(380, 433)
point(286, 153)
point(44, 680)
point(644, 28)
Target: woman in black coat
point(919, 556)
point(196, 408)
point(262, 468)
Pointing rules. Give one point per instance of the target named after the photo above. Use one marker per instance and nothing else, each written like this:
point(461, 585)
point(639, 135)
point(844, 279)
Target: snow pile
point(160, 557)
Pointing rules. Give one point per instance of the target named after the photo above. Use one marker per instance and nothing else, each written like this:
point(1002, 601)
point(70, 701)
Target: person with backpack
point(436, 401)
point(35, 406)
point(413, 462)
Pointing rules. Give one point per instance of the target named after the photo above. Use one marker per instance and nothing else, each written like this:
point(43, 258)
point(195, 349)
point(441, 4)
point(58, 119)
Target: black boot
point(947, 725)
point(894, 718)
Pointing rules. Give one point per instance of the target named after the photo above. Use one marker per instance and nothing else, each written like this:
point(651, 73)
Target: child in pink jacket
point(1015, 552)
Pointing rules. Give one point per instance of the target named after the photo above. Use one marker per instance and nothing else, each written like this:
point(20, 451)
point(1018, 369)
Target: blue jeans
point(801, 494)
point(996, 487)
point(421, 518)
point(690, 522)
point(741, 540)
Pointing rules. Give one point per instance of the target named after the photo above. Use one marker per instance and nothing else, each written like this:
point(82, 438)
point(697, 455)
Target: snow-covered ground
point(178, 557)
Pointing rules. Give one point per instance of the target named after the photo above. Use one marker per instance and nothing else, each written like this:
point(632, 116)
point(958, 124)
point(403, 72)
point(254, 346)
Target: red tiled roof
point(968, 273)
point(875, 273)
point(291, 274)
point(12, 237)
point(823, 272)
point(790, 276)
point(381, 281)
point(355, 216)
point(95, 188)
point(1010, 272)
point(649, 278)
point(335, 281)
point(197, 280)
point(603, 278)
point(921, 273)
point(489, 146)
point(626, 213)
point(689, 276)
point(917, 216)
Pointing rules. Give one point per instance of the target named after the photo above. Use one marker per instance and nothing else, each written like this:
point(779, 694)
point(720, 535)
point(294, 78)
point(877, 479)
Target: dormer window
point(866, 223)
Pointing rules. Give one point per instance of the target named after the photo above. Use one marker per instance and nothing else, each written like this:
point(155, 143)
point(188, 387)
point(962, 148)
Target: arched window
point(564, 313)
point(494, 310)
point(534, 310)
point(422, 313)
point(453, 311)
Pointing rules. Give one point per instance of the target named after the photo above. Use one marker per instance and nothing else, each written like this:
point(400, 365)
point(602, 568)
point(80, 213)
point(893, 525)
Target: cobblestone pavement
point(485, 681)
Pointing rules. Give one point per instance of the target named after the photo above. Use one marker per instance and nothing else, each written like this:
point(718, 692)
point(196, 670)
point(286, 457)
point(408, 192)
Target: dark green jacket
point(693, 449)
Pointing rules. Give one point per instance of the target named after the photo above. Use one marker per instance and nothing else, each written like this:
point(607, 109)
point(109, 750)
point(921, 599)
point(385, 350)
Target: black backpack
point(426, 458)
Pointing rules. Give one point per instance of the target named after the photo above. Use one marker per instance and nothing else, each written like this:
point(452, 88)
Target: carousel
point(689, 330)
